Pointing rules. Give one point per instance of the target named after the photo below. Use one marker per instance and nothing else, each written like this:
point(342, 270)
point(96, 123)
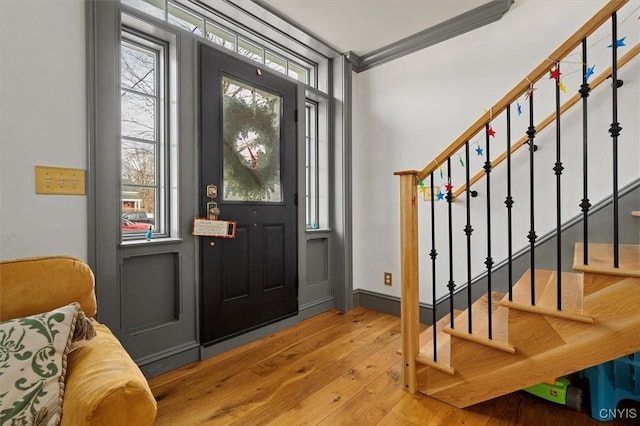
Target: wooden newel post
point(409, 308)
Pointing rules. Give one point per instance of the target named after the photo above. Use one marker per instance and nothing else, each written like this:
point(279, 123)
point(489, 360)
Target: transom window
point(217, 33)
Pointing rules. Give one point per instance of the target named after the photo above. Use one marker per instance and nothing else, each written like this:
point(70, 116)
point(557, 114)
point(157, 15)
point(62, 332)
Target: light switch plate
point(60, 181)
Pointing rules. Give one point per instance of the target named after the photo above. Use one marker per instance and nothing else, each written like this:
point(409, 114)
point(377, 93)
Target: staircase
point(600, 322)
point(550, 323)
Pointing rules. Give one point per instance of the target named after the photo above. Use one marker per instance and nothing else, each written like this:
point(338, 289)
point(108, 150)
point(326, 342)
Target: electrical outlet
point(387, 278)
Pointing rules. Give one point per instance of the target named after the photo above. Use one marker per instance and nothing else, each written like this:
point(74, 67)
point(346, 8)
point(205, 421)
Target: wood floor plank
point(371, 404)
point(321, 367)
point(328, 398)
point(310, 343)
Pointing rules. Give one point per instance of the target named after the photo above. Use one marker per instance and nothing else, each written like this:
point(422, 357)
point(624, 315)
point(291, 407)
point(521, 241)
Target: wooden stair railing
point(412, 355)
point(597, 81)
point(601, 17)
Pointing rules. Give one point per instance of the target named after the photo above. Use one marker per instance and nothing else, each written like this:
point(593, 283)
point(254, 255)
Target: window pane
point(276, 62)
point(251, 140)
point(219, 36)
point(152, 7)
point(137, 69)
point(138, 116)
point(184, 19)
point(298, 72)
point(138, 161)
point(138, 210)
point(311, 165)
point(249, 50)
point(143, 139)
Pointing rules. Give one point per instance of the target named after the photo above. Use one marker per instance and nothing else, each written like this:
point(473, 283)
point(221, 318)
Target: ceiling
point(363, 26)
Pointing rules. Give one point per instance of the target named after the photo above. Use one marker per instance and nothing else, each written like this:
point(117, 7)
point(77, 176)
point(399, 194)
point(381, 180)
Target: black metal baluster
point(509, 203)
point(433, 254)
point(489, 261)
point(468, 230)
point(585, 205)
point(531, 132)
point(451, 285)
point(615, 132)
point(558, 171)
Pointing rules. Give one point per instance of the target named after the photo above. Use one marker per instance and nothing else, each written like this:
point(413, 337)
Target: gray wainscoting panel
point(150, 289)
point(317, 261)
point(318, 284)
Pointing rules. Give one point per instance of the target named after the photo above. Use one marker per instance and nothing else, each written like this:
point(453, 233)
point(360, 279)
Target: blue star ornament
point(479, 151)
point(440, 195)
point(519, 107)
point(619, 43)
point(589, 73)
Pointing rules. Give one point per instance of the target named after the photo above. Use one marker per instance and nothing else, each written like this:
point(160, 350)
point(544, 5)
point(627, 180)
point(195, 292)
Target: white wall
point(42, 122)
point(408, 110)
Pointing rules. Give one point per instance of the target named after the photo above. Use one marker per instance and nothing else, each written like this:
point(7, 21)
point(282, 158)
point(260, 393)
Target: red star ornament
point(491, 132)
point(555, 74)
point(448, 187)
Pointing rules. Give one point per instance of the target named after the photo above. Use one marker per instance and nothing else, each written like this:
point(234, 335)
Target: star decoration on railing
point(491, 132)
point(479, 151)
point(519, 108)
point(589, 73)
point(562, 87)
point(619, 42)
point(555, 73)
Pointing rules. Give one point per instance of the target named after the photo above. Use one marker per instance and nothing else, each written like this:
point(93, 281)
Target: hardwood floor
point(333, 369)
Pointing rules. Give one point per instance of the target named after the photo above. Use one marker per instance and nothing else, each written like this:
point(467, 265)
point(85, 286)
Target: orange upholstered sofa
point(103, 386)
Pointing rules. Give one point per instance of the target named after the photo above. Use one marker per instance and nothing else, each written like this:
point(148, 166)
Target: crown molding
point(468, 21)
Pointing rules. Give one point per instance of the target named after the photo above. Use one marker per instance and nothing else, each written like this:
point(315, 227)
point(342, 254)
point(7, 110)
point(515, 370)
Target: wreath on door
point(251, 149)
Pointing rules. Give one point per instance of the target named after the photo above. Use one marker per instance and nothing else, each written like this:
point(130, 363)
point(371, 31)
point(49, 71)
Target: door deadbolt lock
point(212, 191)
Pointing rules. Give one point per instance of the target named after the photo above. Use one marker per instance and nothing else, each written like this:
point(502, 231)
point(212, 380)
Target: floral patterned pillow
point(33, 364)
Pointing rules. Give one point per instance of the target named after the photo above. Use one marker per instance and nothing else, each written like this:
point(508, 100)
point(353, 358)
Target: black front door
point(248, 150)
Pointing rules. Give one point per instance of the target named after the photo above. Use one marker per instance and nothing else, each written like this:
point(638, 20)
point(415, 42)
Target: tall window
point(311, 164)
point(143, 117)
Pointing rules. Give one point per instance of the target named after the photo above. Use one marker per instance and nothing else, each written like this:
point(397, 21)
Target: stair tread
point(546, 290)
point(480, 322)
point(601, 259)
